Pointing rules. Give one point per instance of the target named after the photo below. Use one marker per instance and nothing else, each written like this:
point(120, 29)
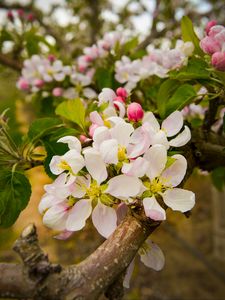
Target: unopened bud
point(57, 92)
point(209, 25)
point(121, 92)
point(218, 61)
point(135, 112)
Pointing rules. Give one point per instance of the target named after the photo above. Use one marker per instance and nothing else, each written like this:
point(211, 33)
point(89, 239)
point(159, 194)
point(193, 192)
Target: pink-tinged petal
point(122, 132)
point(137, 167)
point(139, 143)
point(74, 160)
point(107, 95)
point(179, 199)
point(63, 235)
point(176, 172)
point(78, 215)
point(109, 151)
point(160, 138)
point(153, 210)
point(121, 107)
point(157, 158)
point(121, 212)
point(104, 219)
point(154, 257)
point(95, 165)
point(100, 135)
point(56, 217)
point(115, 120)
point(123, 186)
point(182, 139)
point(96, 118)
point(72, 141)
point(54, 165)
point(47, 201)
point(152, 121)
point(173, 123)
point(128, 275)
point(80, 186)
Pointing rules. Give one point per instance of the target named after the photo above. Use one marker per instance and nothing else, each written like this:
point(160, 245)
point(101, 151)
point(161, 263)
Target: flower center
point(122, 154)
point(64, 165)
point(71, 201)
point(94, 191)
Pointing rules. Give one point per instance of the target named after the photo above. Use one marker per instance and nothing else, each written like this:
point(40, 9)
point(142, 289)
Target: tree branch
point(9, 62)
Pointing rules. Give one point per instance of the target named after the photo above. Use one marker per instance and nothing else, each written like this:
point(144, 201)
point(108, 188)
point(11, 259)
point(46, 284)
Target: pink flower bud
point(23, 84)
point(210, 45)
point(83, 138)
point(30, 17)
point(218, 61)
point(39, 83)
point(121, 92)
point(51, 58)
point(81, 68)
point(57, 92)
point(209, 25)
point(119, 98)
point(10, 16)
point(135, 112)
point(92, 129)
point(20, 13)
point(87, 58)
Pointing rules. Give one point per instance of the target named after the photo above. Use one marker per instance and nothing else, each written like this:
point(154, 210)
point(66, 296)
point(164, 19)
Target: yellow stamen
point(122, 154)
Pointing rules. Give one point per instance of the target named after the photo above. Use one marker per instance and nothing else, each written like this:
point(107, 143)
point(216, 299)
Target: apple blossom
point(135, 112)
point(209, 25)
point(218, 61)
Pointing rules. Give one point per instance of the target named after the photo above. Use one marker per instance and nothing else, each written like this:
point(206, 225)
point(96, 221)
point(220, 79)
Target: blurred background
point(194, 247)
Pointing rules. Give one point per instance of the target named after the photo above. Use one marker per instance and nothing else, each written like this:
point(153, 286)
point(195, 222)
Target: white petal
point(176, 172)
point(104, 219)
point(78, 215)
point(157, 157)
point(140, 142)
point(160, 138)
point(137, 167)
point(121, 132)
point(63, 235)
point(179, 199)
point(109, 151)
point(122, 110)
point(100, 135)
point(54, 165)
point(154, 257)
point(153, 210)
point(121, 212)
point(56, 216)
point(182, 139)
point(107, 95)
point(129, 272)
point(74, 160)
point(72, 141)
point(123, 186)
point(48, 201)
point(151, 119)
point(80, 186)
point(173, 123)
point(95, 165)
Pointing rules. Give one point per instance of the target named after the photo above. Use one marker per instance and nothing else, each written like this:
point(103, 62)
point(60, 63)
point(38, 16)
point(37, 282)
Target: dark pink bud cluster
point(135, 112)
point(10, 16)
point(214, 44)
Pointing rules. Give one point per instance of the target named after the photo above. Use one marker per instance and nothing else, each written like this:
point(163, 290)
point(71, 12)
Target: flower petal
point(182, 139)
point(137, 167)
point(176, 172)
point(151, 119)
point(173, 123)
point(72, 141)
point(104, 219)
point(95, 165)
point(100, 135)
point(80, 186)
point(56, 217)
point(121, 212)
point(121, 132)
point(179, 199)
point(54, 165)
point(157, 157)
point(154, 257)
point(96, 118)
point(124, 186)
point(74, 159)
point(109, 151)
point(78, 215)
point(153, 210)
point(160, 138)
point(107, 95)
point(129, 272)
point(63, 235)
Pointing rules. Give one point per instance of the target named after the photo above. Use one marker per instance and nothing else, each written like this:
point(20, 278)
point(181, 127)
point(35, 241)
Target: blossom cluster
point(52, 76)
point(214, 44)
point(158, 62)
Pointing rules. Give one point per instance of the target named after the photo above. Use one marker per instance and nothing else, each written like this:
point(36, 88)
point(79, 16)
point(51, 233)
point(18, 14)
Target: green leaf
point(165, 91)
point(130, 45)
point(189, 35)
point(104, 78)
point(218, 178)
point(195, 69)
point(182, 96)
point(72, 110)
point(14, 196)
point(42, 127)
point(224, 122)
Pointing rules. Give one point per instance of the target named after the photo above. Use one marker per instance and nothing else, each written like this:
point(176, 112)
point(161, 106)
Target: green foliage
point(72, 110)
point(130, 45)
point(189, 35)
point(218, 178)
point(15, 192)
point(182, 96)
point(43, 126)
point(104, 78)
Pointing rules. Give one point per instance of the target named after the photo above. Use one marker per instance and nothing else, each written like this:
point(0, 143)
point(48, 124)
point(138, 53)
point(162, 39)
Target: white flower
point(170, 127)
point(162, 182)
